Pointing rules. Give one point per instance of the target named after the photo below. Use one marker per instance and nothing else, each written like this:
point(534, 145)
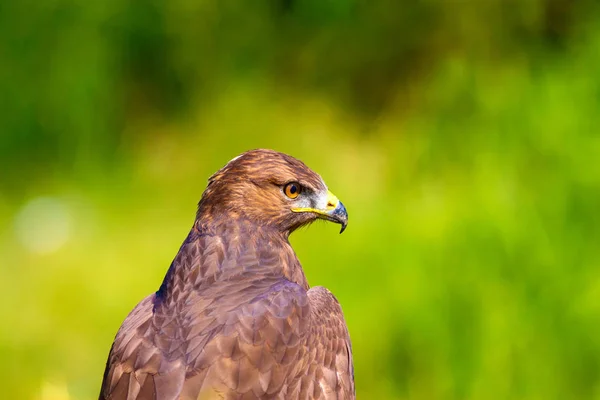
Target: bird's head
point(272, 190)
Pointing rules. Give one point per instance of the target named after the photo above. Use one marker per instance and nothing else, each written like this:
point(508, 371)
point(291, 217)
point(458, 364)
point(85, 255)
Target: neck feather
point(230, 250)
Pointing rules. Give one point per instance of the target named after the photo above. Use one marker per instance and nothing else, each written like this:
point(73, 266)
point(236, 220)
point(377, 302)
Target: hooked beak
point(333, 211)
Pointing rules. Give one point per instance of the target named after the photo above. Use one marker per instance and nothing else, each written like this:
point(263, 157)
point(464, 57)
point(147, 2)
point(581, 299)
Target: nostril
point(330, 205)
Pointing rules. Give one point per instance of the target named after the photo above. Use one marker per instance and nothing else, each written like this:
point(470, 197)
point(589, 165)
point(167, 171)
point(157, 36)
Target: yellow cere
point(332, 203)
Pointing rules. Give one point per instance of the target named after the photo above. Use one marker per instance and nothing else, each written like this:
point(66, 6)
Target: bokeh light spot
point(43, 225)
point(54, 391)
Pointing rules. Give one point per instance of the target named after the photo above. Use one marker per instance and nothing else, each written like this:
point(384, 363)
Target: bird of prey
point(235, 317)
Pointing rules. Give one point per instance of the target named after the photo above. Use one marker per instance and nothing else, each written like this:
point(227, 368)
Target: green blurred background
point(462, 136)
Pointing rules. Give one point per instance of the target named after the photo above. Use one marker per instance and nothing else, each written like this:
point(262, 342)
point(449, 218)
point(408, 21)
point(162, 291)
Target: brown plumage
point(234, 317)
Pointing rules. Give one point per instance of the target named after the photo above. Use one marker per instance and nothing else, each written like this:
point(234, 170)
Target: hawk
point(235, 317)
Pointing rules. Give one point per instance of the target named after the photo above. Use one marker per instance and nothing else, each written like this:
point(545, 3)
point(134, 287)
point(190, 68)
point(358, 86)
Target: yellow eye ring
point(292, 190)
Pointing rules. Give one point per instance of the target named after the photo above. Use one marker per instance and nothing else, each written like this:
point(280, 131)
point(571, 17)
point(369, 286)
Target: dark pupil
point(293, 189)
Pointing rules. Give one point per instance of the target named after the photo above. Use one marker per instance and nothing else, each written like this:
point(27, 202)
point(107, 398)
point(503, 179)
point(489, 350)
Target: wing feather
point(272, 339)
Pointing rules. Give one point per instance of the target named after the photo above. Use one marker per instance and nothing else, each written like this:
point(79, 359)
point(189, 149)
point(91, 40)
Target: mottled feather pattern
point(233, 319)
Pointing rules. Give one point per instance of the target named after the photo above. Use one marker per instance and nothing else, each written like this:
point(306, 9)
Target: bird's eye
point(292, 190)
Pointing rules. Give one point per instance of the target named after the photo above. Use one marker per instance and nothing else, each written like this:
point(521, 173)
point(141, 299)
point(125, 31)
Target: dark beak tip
point(342, 216)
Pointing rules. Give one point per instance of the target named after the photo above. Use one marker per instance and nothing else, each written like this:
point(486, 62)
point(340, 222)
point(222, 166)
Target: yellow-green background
point(463, 137)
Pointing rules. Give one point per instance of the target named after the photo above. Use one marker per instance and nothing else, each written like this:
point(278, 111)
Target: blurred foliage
point(462, 136)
